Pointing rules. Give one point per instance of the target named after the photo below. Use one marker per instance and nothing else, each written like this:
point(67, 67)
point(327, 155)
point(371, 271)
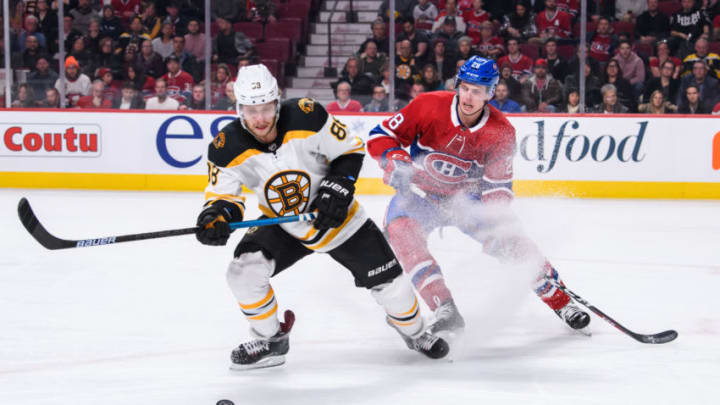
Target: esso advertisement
point(51, 140)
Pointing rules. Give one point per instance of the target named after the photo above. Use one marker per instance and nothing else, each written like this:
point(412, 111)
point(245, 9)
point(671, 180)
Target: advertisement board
point(619, 156)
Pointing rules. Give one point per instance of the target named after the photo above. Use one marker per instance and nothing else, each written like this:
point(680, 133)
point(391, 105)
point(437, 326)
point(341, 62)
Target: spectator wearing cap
point(419, 41)
point(96, 98)
point(188, 62)
point(174, 17)
point(129, 98)
point(450, 10)
point(343, 102)
point(28, 58)
point(111, 90)
point(652, 25)
point(31, 29)
point(520, 24)
point(126, 9)
point(502, 102)
point(41, 78)
point(553, 23)
point(602, 41)
point(195, 40)
point(76, 84)
point(425, 12)
point(449, 33)
point(609, 104)
point(110, 25)
point(82, 15)
point(541, 92)
point(371, 60)
point(632, 66)
point(134, 36)
point(179, 83)
point(228, 45)
point(489, 46)
point(403, 9)
point(161, 100)
point(151, 62)
point(521, 64)
point(473, 17)
point(702, 52)
point(700, 78)
point(47, 24)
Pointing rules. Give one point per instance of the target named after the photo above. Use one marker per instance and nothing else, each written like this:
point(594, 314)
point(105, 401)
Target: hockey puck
point(225, 402)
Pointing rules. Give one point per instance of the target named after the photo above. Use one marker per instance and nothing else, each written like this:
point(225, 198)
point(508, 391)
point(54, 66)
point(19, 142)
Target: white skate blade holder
point(271, 361)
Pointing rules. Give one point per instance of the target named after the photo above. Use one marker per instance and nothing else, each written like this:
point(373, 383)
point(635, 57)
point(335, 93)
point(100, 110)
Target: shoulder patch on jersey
point(295, 116)
point(219, 140)
point(307, 105)
point(231, 142)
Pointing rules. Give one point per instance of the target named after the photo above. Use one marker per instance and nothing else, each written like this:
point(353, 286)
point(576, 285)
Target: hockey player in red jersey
point(449, 156)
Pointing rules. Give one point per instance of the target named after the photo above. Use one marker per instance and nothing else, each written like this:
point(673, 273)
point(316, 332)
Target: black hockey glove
point(213, 228)
point(332, 202)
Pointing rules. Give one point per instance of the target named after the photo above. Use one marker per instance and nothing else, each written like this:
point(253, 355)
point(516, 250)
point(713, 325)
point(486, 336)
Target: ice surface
point(153, 322)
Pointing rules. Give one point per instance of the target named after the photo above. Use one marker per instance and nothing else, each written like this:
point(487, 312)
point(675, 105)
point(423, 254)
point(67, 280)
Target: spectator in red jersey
point(95, 99)
point(129, 98)
point(489, 46)
point(610, 104)
point(473, 18)
point(520, 24)
point(553, 23)
point(450, 10)
point(632, 66)
point(571, 7)
point(666, 83)
point(521, 64)
point(188, 62)
point(418, 39)
point(343, 102)
point(613, 74)
point(179, 82)
point(111, 90)
point(556, 65)
point(662, 54)
point(602, 42)
point(125, 9)
point(197, 101)
point(652, 25)
point(541, 92)
point(195, 40)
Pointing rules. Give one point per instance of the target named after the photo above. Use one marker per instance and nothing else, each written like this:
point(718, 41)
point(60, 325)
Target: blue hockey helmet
point(480, 71)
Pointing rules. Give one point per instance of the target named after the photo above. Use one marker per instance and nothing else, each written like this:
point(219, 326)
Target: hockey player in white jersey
point(297, 158)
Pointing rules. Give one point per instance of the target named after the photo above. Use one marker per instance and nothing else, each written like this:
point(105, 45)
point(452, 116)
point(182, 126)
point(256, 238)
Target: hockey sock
point(547, 292)
point(249, 280)
point(410, 245)
point(401, 305)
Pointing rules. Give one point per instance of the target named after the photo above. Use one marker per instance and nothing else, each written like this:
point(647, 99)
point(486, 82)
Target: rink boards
point(592, 155)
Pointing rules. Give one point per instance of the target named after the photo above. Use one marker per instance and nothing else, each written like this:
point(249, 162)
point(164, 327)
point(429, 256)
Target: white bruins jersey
point(285, 174)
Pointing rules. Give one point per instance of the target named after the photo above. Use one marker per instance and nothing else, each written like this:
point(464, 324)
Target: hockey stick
point(45, 238)
point(657, 338)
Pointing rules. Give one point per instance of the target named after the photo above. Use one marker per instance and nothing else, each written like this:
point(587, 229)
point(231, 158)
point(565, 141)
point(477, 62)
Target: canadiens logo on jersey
point(447, 168)
point(288, 192)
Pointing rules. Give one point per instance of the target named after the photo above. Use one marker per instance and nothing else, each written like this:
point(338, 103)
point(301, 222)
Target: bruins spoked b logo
point(288, 192)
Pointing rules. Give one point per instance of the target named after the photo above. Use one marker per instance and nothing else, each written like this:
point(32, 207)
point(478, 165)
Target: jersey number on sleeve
point(395, 121)
point(212, 173)
point(338, 130)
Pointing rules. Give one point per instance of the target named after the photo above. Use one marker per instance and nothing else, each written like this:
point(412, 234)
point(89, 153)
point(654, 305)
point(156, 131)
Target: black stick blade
point(658, 338)
point(35, 228)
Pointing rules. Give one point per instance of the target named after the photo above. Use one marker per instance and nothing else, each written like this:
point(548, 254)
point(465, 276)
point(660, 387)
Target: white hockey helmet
point(255, 85)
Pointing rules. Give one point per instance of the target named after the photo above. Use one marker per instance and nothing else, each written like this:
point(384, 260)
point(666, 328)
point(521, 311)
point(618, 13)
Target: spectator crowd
point(641, 56)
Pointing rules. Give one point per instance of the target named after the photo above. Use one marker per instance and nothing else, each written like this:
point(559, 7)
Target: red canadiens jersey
point(571, 7)
point(493, 43)
point(179, 86)
point(600, 47)
point(521, 66)
point(472, 21)
point(557, 25)
point(449, 157)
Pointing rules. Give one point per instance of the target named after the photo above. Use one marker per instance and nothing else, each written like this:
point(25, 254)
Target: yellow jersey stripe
point(310, 233)
point(356, 150)
point(265, 315)
point(210, 195)
point(260, 303)
point(243, 157)
point(332, 234)
point(298, 134)
point(267, 211)
point(410, 311)
point(408, 323)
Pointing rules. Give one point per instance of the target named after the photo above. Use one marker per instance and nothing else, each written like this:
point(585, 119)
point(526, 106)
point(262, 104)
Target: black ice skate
point(448, 320)
point(264, 352)
point(428, 344)
point(575, 318)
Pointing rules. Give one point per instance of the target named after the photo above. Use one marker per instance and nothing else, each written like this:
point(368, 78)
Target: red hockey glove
point(398, 170)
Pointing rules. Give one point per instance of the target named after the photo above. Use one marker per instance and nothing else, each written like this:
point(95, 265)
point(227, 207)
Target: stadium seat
point(646, 50)
point(251, 29)
point(590, 29)
point(290, 28)
point(566, 52)
point(625, 27)
point(276, 68)
point(669, 7)
point(274, 48)
point(715, 47)
point(530, 50)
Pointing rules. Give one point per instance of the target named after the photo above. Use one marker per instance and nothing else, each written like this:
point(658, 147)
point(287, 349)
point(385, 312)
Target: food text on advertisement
point(578, 147)
point(197, 133)
point(67, 141)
